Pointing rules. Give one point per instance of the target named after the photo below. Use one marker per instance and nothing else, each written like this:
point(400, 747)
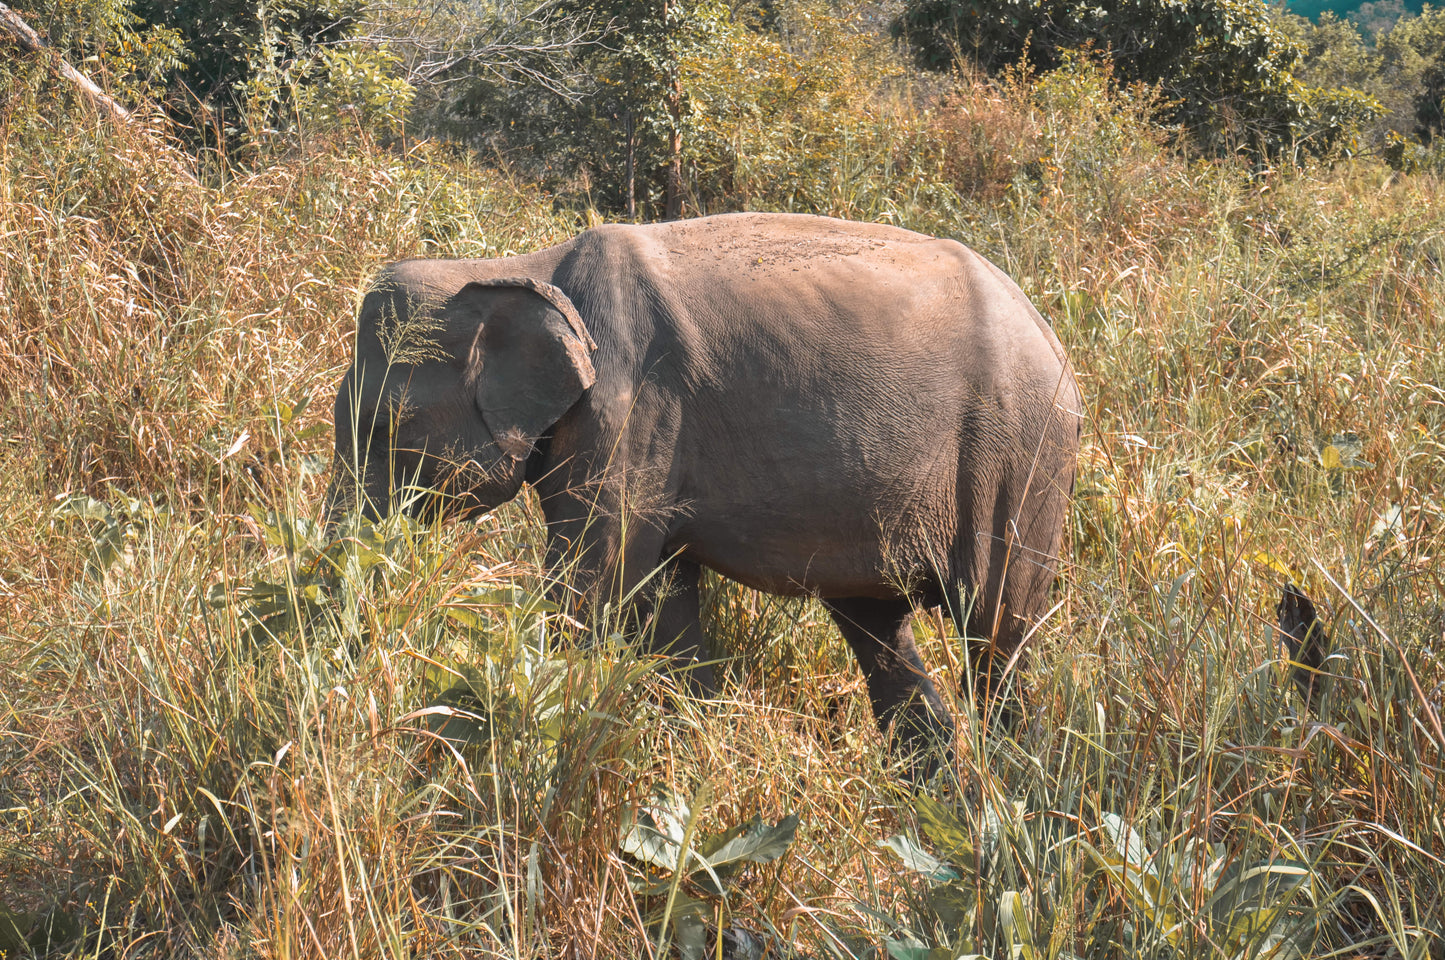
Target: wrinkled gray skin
point(807, 406)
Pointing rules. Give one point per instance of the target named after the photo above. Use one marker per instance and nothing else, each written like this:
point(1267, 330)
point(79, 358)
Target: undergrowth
point(227, 734)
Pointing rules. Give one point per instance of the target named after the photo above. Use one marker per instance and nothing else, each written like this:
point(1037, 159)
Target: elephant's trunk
point(340, 496)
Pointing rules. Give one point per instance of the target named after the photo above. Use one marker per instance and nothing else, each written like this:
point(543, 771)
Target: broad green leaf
point(654, 833)
point(907, 949)
point(1127, 841)
point(1283, 945)
point(462, 725)
point(687, 923)
point(1136, 880)
point(83, 508)
point(1013, 920)
point(1252, 900)
point(714, 843)
point(691, 930)
point(945, 830)
point(920, 861)
point(755, 843)
point(955, 903)
point(992, 827)
point(467, 617)
point(648, 882)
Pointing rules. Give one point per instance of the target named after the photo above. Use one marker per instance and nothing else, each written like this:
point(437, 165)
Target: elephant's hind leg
point(881, 635)
point(998, 620)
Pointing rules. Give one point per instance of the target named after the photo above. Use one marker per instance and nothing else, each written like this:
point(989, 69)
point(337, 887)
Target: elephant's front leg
point(605, 569)
point(676, 624)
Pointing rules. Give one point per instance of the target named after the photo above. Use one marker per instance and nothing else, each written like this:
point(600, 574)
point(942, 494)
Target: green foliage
point(776, 113)
point(1335, 52)
point(601, 113)
point(342, 90)
point(1337, 120)
point(1349, 103)
point(1246, 906)
point(1174, 897)
point(136, 58)
point(229, 41)
point(1430, 104)
point(961, 913)
point(794, 106)
point(1411, 156)
point(1225, 67)
point(640, 73)
point(1396, 72)
point(1412, 61)
point(1414, 43)
point(662, 835)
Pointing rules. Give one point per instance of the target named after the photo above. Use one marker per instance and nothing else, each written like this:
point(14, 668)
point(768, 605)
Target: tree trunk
point(674, 164)
point(629, 181)
point(674, 110)
point(12, 25)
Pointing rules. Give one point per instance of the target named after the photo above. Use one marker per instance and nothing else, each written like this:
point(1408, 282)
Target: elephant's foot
point(922, 738)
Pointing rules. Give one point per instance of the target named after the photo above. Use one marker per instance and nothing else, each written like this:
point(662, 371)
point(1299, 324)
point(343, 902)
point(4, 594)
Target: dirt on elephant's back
point(782, 239)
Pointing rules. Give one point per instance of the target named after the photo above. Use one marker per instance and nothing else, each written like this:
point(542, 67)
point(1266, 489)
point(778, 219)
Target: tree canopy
point(1226, 66)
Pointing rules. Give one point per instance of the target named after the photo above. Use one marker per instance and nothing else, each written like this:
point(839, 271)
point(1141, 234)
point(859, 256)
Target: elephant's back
point(752, 248)
point(808, 290)
point(811, 311)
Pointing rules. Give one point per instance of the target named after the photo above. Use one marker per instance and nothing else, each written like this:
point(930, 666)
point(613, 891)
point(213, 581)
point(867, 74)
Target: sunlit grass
point(225, 736)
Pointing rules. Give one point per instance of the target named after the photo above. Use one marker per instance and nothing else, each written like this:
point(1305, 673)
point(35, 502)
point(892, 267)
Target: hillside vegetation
point(222, 735)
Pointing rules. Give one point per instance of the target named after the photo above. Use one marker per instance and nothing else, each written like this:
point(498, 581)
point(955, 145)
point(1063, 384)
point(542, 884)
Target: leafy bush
point(778, 116)
point(228, 42)
point(1173, 897)
point(1395, 71)
point(1223, 66)
point(676, 863)
point(343, 90)
point(1413, 57)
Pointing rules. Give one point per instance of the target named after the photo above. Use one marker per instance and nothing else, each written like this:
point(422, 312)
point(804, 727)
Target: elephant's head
point(447, 396)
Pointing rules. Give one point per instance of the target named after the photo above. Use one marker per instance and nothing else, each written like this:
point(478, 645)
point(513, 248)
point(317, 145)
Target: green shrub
point(1225, 68)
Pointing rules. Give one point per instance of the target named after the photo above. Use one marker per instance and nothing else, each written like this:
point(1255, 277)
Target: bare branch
point(507, 42)
point(15, 27)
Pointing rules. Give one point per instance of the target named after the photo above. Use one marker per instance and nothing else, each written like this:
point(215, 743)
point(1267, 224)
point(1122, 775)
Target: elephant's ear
point(531, 358)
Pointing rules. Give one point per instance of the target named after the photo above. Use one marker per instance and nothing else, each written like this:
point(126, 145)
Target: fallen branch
point(15, 27)
point(31, 42)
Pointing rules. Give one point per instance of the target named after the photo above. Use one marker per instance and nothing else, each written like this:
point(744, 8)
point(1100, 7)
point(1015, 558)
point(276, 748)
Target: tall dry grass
point(225, 736)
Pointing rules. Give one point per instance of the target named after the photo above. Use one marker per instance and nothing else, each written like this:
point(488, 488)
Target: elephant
point(809, 406)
